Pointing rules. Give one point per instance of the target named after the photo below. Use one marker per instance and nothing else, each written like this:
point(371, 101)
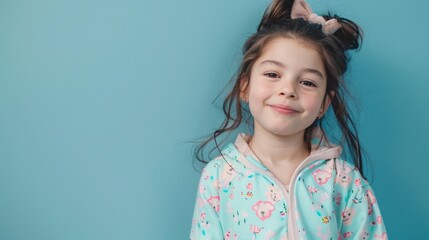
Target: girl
point(286, 181)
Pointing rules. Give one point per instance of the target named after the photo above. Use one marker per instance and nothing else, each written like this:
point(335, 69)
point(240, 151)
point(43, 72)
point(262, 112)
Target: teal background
point(100, 100)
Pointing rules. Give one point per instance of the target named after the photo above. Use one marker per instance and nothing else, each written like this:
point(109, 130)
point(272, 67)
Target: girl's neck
point(275, 150)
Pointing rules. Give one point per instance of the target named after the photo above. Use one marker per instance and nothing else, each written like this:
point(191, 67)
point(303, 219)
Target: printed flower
point(255, 229)
point(325, 219)
point(358, 182)
point(312, 189)
point(370, 196)
point(249, 186)
point(231, 195)
point(214, 201)
point(203, 222)
point(337, 198)
point(229, 236)
point(347, 234)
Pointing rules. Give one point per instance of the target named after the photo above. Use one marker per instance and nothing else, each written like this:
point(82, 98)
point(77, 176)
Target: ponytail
point(278, 9)
point(349, 36)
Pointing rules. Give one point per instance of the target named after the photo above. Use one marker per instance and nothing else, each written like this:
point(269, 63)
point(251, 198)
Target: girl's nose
point(288, 90)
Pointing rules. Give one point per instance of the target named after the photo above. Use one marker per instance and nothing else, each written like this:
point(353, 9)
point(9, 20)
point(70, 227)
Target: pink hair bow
point(301, 9)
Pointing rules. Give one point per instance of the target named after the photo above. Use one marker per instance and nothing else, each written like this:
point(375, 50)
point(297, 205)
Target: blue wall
point(99, 100)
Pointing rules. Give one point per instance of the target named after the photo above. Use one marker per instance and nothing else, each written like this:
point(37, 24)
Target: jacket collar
point(322, 152)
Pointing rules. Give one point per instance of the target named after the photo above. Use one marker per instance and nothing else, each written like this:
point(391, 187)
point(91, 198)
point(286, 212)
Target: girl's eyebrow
point(265, 62)
point(315, 71)
point(277, 63)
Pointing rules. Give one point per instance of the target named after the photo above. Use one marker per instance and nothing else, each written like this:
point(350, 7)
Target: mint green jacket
point(327, 198)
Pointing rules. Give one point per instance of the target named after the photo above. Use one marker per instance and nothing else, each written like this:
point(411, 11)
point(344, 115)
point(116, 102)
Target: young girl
point(286, 181)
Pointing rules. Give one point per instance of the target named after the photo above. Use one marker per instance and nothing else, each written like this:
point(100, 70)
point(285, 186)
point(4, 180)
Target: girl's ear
point(244, 89)
point(326, 103)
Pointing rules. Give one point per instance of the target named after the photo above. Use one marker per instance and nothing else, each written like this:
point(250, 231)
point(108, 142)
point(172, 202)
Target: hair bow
point(301, 9)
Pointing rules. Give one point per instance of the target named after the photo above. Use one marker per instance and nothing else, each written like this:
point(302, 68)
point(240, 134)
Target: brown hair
point(276, 22)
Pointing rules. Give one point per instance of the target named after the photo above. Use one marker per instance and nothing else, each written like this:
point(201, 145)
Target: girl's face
point(287, 87)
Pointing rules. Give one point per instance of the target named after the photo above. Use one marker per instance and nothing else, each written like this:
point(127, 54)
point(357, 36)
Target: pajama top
point(327, 198)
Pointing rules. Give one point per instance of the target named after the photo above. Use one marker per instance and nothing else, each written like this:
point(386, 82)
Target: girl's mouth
point(283, 109)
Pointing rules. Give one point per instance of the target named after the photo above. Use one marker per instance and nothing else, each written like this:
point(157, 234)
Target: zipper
point(306, 162)
point(289, 196)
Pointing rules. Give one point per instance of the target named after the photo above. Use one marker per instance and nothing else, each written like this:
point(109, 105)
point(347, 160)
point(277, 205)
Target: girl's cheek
point(256, 90)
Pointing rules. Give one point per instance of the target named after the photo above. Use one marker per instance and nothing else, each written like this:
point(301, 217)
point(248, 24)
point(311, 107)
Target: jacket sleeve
point(205, 221)
point(360, 214)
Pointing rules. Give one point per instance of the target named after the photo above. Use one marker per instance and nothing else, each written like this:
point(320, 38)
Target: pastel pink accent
point(263, 209)
point(343, 175)
point(321, 176)
point(348, 215)
point(301, 9)
point(273, 193)
point(358, 183)
point(347, 234)
point(255, 229)
point(312, 189)
point(381, 236)
point(371, 197)
point(214, 201)
point(229, 235)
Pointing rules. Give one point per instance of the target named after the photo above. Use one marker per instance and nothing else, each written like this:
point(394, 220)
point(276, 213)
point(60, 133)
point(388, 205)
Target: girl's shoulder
point(339, 172)
point(338, 165)
point(346, 168)
point(347, 175)
point(227, 161)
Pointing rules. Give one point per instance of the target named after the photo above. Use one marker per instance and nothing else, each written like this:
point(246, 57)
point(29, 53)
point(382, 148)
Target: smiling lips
point(284, 109)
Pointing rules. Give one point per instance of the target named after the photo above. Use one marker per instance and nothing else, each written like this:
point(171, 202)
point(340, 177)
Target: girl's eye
point(308, 83)
point(272, 75)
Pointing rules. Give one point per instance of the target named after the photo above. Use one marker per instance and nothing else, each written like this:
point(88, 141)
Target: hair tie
point(301, 9)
